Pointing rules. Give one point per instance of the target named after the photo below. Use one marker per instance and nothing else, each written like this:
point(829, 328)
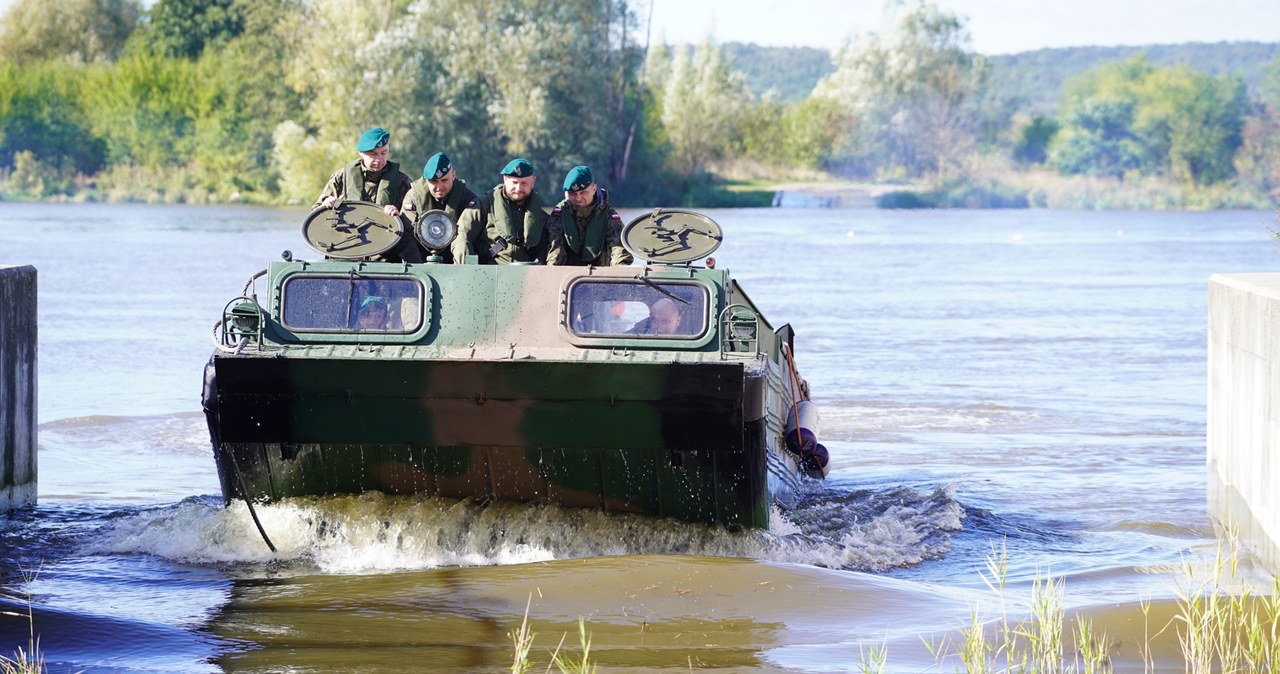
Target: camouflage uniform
point(419, 200)
point(521, 226)
point(387, 187)
point(588, 236)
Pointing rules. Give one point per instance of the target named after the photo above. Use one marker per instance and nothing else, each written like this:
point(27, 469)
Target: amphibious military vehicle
point(657, 388)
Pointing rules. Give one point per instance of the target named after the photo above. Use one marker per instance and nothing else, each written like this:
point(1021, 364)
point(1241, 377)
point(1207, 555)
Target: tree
point(1033, 140)
point(1257, 162)
point(182, 28)
point(144, 109)
point(45, 117)
point(911, 94)
point(551, 80)
point(1096, 138)
point(702, 104)
point(81, 31)
point(1132, 116)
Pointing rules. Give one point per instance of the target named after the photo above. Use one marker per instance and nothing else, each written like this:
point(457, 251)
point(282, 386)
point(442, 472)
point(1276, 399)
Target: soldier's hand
point(329, 201)
point(391, 210)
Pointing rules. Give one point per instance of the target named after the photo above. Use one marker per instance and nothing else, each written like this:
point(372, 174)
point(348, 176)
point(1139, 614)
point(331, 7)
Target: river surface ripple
point(1031, 382)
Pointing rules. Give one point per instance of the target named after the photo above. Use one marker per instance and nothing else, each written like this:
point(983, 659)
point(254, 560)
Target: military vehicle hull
point(522, 383)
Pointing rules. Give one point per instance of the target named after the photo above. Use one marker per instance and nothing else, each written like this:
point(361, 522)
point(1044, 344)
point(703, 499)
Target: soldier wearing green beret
point(507, 224)
point(584, 229)
point(373, 177)
point(439, 188)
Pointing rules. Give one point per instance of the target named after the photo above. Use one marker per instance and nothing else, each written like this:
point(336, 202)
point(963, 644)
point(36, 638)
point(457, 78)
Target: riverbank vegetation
point(202, 101)
point(1221, 623)
point(22, 660)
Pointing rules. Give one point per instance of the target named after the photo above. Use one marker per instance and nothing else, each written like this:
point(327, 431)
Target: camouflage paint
point(494, 397)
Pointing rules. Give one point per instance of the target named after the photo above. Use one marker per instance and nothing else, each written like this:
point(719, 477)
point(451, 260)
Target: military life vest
point(584, 238)
point(458, 199)
point(519, 225)
point(391, 188)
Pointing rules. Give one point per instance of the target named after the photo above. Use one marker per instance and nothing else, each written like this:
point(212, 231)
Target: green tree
point(910, 94)
point(240, 101)
point(1258, 160)
point(1097, 139)
point(702, 105)
point(144, 108)
point(1131, 115)
point(182, 28)
point(1033, 140)
point(81, 31)
point(550, 80)
point(45, 117)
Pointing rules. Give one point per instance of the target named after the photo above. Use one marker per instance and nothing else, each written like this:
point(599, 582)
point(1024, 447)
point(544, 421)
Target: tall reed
point(565, 663)
point(28, 660)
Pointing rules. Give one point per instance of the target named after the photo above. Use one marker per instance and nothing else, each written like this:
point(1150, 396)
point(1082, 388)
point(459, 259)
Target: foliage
point(144, 109)
point(304, 162)
point(1035, 79)
point(44, 116)
point(1033, 140)
point(443, 76)
point(1097, 139)
point(1132, 116)
point(78, 31)
point(28, 660)
point(260, 100)
point(1258, 161)
point(522, 640)
point(702, 101)
point(182, 28)
point(910, 95)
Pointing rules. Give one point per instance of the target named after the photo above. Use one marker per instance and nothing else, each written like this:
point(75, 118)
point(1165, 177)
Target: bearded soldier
point(507, 224)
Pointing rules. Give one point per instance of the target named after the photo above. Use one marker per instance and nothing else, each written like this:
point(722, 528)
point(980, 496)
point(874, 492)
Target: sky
point(996, 26)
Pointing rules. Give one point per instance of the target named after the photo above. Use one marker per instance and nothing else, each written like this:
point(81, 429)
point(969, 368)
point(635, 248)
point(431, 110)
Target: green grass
point(564, 662)
point(28, 660)
point(1223, 625)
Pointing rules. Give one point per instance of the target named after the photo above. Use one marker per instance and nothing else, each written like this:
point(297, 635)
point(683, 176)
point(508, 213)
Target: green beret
point(373, 139)
point(578, 178)
point(373, 299)
point(437, 166)
point(520, 168)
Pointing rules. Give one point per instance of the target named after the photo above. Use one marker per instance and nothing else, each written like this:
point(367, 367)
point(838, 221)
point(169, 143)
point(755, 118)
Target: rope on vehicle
point(796, 389)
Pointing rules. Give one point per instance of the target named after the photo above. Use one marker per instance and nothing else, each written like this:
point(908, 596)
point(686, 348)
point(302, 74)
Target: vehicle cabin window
point(361, 304)
point(634, 309)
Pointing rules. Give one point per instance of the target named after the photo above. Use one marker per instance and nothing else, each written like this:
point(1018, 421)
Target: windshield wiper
point(660, 289)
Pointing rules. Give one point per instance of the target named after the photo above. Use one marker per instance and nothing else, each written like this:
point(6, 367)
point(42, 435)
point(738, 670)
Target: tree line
point(259, 100)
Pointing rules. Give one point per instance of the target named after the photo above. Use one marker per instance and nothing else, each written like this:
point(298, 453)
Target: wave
point(371, 533)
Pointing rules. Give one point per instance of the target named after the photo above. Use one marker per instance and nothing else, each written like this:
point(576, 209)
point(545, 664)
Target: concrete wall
point(17, 387)
point(1244, 408)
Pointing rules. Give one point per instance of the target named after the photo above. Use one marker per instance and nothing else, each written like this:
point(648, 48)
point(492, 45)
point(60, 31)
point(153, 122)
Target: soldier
point(375, 178)
point(438, 189)
point(507, 224)
point(584, 228)
point(664, 319)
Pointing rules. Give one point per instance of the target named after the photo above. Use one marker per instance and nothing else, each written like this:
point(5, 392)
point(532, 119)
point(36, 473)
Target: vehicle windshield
point(636, 309)
point(352, 303)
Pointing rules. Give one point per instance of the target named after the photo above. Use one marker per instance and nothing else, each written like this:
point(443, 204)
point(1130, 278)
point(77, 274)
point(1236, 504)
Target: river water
point(1025, 381)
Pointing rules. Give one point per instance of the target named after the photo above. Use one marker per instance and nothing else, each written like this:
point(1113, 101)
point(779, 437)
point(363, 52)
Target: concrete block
point(17, 387)
point(1243, 430)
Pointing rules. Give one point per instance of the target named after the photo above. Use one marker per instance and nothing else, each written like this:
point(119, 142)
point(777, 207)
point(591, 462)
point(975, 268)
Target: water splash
point(370, 533)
